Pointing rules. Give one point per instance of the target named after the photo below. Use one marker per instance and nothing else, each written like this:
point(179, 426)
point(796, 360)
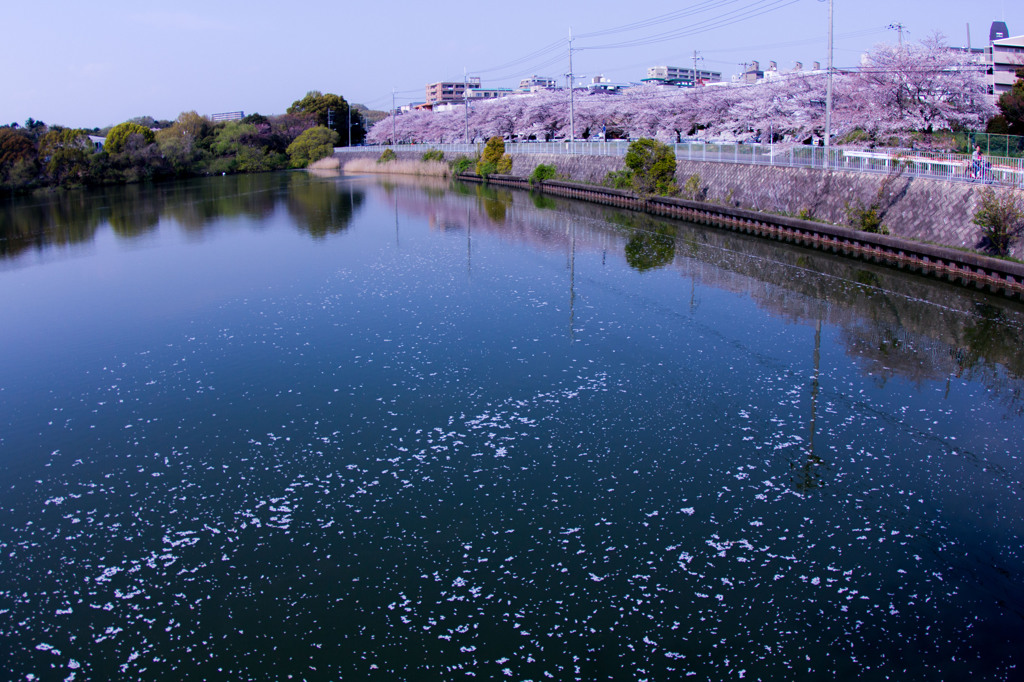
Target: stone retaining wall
point(923, 209)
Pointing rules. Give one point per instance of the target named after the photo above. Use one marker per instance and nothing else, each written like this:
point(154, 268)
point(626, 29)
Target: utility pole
point(393, 111)
point(350, 125)
point(465, 99)
point(572, 110)
point(695, 76)
point(828, 90)
point(899, 27)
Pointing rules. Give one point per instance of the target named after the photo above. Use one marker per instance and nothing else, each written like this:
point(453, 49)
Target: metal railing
point(1001, 170)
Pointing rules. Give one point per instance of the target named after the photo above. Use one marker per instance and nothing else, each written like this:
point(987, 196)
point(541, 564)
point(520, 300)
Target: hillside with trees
point(36, 155)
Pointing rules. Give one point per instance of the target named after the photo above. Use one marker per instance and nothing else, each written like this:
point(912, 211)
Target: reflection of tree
point(495, 202)
point(651, 244)
point(133, 210)
point(542, 201)
point(989, 337)
point(321, 208)
point(65, 218)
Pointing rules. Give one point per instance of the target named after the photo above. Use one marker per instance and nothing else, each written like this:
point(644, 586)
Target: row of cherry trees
point(919, 88)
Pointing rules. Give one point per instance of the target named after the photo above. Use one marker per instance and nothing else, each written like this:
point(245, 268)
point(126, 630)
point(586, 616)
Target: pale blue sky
point(100, 63)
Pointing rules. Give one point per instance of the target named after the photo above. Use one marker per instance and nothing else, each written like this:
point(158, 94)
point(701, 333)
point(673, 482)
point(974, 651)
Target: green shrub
point(462, 164)
point(433, 155)
point(494, 150)
point(691, 188)
point(622, 179)
point(1000, 216)
point(387, 155)
point(865, 218)
point(543, 172)
point(653, 165)
point(504, 165)
point(486, 168)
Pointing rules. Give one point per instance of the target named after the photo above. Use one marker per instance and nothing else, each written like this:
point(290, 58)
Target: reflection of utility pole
point(815, 384)
point(810, 476)
point(469, 244)
point(397, 245)
point(572, 280)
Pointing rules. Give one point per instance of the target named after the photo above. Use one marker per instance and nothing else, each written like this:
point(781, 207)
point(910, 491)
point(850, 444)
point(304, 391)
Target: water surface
point(344, 428)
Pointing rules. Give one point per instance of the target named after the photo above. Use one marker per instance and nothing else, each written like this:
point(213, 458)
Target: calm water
point(287, 427)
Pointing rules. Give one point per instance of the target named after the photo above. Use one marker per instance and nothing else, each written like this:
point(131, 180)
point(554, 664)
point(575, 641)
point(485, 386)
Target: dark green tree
point(331, 111)
point(312, 145)
point(66, 153)
point(14, 146)
point(653, 165)
point(18, 162)
point(1012, 105)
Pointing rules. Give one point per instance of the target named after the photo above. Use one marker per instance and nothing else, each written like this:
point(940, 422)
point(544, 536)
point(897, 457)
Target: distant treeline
point(36, 155)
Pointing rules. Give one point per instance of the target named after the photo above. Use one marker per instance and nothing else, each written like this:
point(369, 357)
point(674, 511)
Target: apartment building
point(1007, 57)
point(678, 75)
point(451, 91)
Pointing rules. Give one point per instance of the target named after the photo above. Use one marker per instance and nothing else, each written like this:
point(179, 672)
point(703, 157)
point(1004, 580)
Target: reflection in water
point(319, 207)
point(808, 475)
point(652, 242)
point(134, 210)
point(393, 450)
point(495, 202)
point(893, 323)
point(60, 219)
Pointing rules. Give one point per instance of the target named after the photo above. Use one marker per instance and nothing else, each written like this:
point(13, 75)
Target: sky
point(97, 64)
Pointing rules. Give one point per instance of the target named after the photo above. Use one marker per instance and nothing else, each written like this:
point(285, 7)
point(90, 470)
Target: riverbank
point(914, 208)
point(402, 166)
point(929, 221)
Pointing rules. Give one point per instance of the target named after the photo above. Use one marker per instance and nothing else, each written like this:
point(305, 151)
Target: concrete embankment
point(920, 209)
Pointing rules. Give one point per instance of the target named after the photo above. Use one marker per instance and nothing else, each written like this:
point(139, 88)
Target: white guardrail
point(993, 170)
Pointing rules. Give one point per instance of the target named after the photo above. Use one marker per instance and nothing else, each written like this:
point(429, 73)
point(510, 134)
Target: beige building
point(1007, 57)
point(450, 91)
point(677, 75)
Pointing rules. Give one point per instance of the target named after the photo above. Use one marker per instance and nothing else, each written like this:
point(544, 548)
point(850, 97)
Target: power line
point(750, 11)
point(660, 19)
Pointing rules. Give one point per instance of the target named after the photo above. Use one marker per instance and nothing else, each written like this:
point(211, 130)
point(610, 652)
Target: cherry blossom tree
point(924, 87)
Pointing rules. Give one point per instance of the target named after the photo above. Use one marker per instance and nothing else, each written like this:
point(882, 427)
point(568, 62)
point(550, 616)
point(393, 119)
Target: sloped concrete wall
point(927, 210)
